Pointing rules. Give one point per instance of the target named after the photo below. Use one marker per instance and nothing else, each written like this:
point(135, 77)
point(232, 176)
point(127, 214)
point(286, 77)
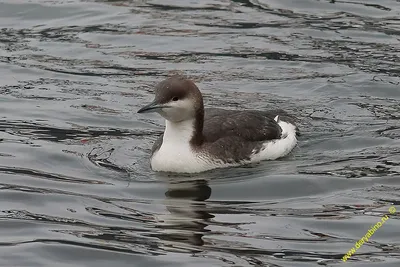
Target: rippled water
point(76, 187)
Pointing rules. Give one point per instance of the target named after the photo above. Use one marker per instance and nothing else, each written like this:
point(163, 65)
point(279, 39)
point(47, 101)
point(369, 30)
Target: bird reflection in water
point(188, 218)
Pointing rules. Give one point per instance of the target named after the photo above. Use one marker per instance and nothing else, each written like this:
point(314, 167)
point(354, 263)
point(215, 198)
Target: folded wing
point(247, 125)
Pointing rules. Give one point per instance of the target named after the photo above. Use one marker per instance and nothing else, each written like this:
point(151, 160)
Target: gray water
point(76, 186)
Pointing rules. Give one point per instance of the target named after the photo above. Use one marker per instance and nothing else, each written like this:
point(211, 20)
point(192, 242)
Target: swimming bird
point(196, 139)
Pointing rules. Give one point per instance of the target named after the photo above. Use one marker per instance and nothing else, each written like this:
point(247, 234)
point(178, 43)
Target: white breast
point(172, 157)
point(175, 153)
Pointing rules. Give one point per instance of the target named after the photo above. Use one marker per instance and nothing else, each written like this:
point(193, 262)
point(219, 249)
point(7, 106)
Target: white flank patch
point(280, 147)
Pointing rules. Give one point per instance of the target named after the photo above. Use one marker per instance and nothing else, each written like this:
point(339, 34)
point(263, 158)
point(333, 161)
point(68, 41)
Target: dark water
point(76, 187)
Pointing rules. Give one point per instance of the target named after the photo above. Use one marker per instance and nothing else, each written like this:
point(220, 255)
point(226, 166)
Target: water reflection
point(188, 216)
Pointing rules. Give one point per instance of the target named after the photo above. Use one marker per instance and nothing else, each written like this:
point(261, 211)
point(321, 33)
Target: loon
point(198, 139)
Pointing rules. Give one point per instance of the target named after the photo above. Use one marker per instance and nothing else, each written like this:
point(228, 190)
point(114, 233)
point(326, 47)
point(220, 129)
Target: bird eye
point(175, 98)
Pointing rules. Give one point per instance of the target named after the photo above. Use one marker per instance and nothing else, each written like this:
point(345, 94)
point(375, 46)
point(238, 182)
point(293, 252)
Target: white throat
point(177, 133)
